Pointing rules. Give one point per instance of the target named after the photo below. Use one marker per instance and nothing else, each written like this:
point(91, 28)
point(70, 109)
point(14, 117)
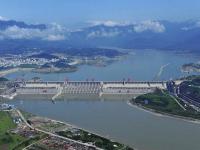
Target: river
point(115, 118)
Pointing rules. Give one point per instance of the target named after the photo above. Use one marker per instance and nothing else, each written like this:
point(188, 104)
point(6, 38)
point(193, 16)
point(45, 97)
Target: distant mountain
point(174, 36)
point(9, 23)
point(162, 35)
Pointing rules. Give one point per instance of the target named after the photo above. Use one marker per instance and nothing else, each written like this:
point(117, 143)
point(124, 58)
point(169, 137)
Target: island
point(60, 66)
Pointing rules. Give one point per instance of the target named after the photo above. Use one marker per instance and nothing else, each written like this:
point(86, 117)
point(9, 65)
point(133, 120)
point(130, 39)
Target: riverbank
point(7, 140)
point(163, 103)
point(118, 121)
point(55, 70)
point(14, 134)
point(13, 70)
point(62, 68)
point(9, 71)
point(162, 114)
point(73, 132)
point(23, 130)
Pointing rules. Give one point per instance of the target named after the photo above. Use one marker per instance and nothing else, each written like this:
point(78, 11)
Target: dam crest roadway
point(58, 88)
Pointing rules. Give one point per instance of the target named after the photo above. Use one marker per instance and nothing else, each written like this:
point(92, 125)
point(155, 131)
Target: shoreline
point(79, 128)
point(163, 114)
point(51, 71)
point(9, 71)
point(13, 70)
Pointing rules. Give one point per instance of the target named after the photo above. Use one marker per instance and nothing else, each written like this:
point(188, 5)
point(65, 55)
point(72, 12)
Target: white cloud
point(3, 18)
point(54, 32)
point(108, 23)
point(197, 24)
point(15, 32)
point(153, 26)
point(149, 25)
point(185, 28)
point(103, 33)
point(193, 26)
point(54, 37)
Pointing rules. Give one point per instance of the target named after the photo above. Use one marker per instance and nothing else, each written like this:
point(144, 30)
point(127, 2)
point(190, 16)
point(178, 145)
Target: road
point(178, 102)
point(52, 134)
point(172, 96)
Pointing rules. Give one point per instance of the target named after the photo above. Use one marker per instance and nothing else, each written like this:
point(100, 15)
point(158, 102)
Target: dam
point(57, 89)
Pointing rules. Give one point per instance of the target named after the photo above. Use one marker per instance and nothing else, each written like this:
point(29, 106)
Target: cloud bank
point(103, 33)
point(3, 18)
point(149, 25)
point(54, 32)
point(108, 23)
point(193, 26)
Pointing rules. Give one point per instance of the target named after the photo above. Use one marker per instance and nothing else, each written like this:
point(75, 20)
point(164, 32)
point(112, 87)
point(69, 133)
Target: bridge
point(58, 88)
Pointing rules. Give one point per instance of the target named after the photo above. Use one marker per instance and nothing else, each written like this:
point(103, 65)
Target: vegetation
point(12, 141)
point(44, 55)
point(28, 66)
point(159, 101)
point(162, 102)
point(26, 114)
point(85, 52)
point(92, 52)
point(100, 142)
point(29, 141)
point(7, 139)
point(61, 64)
point(38, 147)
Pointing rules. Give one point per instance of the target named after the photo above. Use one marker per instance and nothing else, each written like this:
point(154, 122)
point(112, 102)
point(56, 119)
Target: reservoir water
point(115, 118)
point(141, 65)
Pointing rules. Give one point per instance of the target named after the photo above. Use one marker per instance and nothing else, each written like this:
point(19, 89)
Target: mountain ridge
point(164, 35)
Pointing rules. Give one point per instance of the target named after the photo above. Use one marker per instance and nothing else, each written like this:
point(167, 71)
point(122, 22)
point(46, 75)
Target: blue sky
point(71, 12)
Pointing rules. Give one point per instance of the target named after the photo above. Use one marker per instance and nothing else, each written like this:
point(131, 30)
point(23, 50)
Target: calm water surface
point(116, 119)
point(142, 65)
point(121, 122)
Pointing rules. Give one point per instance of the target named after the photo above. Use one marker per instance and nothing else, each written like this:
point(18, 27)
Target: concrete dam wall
point(57, 89)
